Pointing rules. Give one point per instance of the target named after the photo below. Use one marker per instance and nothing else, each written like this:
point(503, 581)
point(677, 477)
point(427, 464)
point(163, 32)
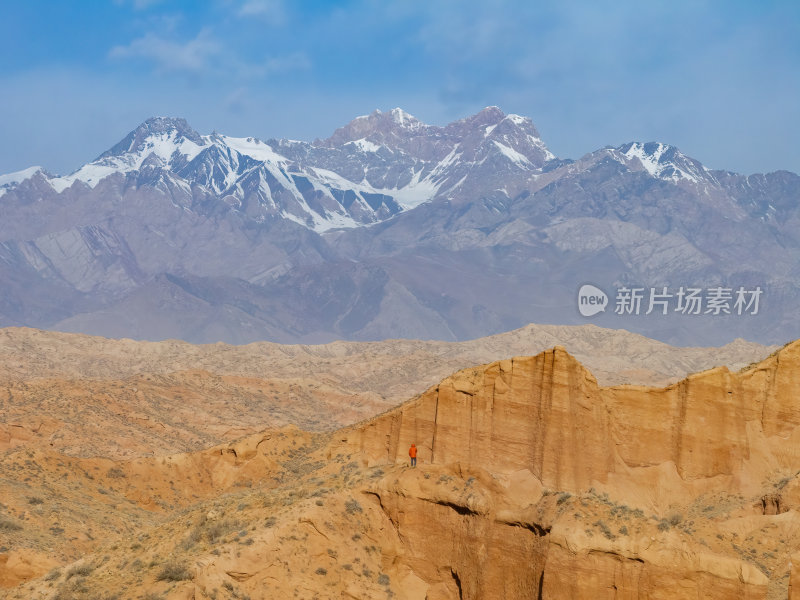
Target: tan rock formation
point(533, 482)
point(713, 432)
point(547, 414)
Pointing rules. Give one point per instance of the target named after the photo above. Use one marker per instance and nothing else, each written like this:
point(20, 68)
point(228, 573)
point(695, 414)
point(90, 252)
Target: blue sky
point(720, 80)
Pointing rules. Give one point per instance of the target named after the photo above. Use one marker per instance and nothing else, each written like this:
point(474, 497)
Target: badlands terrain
point(595, 464)
point(88, 396)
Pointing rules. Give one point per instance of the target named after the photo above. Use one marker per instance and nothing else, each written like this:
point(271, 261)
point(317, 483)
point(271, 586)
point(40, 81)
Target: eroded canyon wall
point(545, 416)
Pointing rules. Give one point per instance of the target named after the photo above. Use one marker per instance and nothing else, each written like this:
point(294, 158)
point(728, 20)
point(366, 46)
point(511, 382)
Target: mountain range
point(392, 228)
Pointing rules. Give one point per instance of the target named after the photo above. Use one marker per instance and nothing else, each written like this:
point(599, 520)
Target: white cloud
point(193, 56)
point(271, 11)
point(204, 55)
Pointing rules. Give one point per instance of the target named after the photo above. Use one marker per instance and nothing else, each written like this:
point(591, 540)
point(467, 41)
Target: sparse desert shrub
point(70, 590)
point(601, 525)
point(670, 521)
point(80, 571)
point(352, 506)
point(174, 571)
point(53, 575)
point(383, 579)
point(191, 538)
point(623, 530)
point(9, 525)
point(563, 497)
point(270, 522)
point(321, 571)
point(34, 500)
point(115, 473)
point(214, 530)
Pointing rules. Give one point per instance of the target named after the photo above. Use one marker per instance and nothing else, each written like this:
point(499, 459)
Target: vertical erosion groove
point(679, 426)
point(457, 581)
point(435, 425)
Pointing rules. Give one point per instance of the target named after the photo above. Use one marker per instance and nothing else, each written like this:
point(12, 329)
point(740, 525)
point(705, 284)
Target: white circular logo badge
point(591, 300)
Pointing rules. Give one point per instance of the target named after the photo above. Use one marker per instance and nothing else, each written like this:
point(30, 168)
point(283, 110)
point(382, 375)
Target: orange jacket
point(412, 452)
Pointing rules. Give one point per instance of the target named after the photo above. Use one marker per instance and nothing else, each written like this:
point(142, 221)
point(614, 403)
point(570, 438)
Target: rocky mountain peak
point(663, 160)
point(402, 118)
point(158, 127)
point(491, 115)
point(377, 126)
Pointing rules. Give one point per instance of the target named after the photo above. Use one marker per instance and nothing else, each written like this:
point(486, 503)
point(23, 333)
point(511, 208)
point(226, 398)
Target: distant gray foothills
point(391, 228)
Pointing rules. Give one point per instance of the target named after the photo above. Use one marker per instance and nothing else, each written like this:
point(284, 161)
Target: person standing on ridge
point(412, 452)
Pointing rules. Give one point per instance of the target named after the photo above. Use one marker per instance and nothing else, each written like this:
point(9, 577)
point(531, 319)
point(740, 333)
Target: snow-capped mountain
point(371, 169)
point(10, 180)
point(390, 227)
point(665, 162)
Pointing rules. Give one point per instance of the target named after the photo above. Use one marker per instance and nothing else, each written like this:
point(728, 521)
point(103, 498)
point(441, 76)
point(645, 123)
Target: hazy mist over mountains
point(391, 228)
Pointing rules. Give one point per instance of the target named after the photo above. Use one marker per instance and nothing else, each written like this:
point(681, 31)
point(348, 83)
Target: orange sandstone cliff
point(544, 420)
point(547, 415)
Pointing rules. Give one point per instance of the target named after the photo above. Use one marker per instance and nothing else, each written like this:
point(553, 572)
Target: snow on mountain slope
point(664, 161)
point(252, 175)
point(11, 180)
point(373, 168)
point(18, 176)
point(160, 141)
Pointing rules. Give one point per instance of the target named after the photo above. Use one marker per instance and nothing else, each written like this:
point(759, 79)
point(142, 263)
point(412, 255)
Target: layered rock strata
point(545, 418)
